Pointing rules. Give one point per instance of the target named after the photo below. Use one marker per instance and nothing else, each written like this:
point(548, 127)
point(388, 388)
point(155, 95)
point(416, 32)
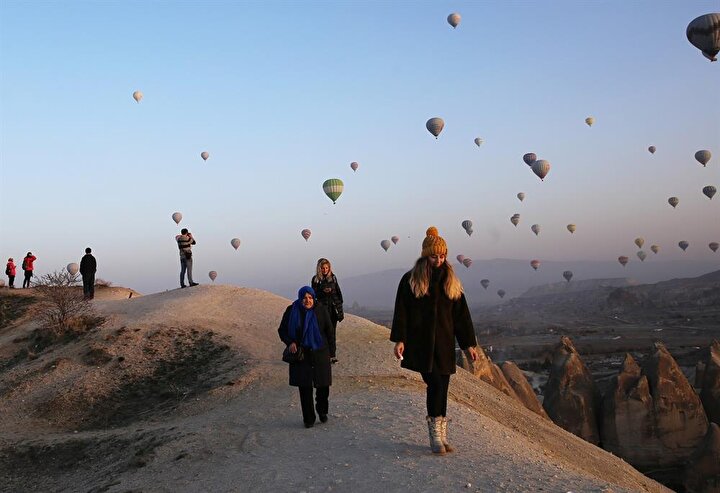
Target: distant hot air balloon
point(567, 275)
point(395, 239)
point(673, 201)
point(709, 191)
point(521, 196)
point(623, 260)
point(704, 34)
point(177, 217)
point(485, 283)
point(639, 242)
point(571, 228)
point(541, 168)
point(137, 96)
point(641, 255)
point(385, 244)
point(478, 141)
point(73, 268)
point(535, 264)
point(460, 258)
point(589, 120)
point(703, 157)
point(454, 19)
point(333, 188)
point(467, 262)
point(535, 229)
point(651, 149)
point(501, 293)
point(205, 155)
point(212, 275)
point(655, 249)
point(235, 242)
point(354, 166)
point(530, 158)
point(467, 226)
point(515, 219)
point(435, 126)
point(714, 246)
point(305, 233)
point(683, 244)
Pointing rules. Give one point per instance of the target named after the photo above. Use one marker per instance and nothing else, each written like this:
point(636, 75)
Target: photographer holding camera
point(185, 241)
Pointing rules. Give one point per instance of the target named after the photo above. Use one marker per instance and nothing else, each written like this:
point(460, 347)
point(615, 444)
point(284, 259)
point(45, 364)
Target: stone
point(699, 374)
point(702, 473)
point(710, 394)
point(485, 370)
point(523, 390)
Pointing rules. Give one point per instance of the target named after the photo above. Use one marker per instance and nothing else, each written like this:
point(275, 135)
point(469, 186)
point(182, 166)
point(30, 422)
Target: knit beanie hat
point(433, 244)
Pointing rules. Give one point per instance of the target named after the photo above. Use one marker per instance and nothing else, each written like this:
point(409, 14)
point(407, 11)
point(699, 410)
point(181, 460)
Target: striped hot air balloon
point(333, 188)
point(515, 219)
point(704, 34)
point(703, 156)
point(541, 168)
point(435, 126)
point(568, 275)
point(460, 258)
point(305, 233)
point(709, 191)
point(467, 226)
point(467, 262)
point(589, 120)
point(639, 242)
point(530, 158)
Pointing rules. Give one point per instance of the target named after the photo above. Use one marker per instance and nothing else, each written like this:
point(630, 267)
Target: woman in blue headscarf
point(307, 324)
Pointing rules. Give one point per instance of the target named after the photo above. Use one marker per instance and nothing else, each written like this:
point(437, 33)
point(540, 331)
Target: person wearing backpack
point(10, 272)
point(27, 267)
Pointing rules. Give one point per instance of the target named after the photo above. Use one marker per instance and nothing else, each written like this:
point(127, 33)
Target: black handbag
point(295, 357)
point(339, 315)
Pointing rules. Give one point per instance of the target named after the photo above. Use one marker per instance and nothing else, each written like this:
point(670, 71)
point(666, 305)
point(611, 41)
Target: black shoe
point(194, 284)
point(309, 425)
point(323, 418)
point(182, 286)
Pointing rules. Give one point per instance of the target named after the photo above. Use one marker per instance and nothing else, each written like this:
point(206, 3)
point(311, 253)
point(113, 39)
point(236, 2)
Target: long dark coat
point(429, 326)
point(328, 293)
point(314, 370)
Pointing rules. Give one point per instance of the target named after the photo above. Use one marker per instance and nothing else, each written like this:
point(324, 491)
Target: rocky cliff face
point(710, 394)
point(523, 389)
point(570, 395)
point(485, 370)
point(702, 474)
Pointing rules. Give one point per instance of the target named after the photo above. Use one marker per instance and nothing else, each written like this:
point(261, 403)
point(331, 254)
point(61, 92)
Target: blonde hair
point(420, 279)
point(320, 263)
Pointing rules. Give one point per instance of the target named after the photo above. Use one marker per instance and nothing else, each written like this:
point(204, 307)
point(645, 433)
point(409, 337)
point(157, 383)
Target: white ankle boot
point(443, 434)
point(434, 430)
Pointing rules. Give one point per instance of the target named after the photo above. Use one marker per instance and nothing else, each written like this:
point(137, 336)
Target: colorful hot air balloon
point(73, 268)
point(714, 245)
point(478, 141)
point(354, 166)
point(530, 158)
point(205, 155)
point(235, 242)
point(501, 293)
point(212, 275)
point(177, 217)
point(435, 126)
point(703, 157)
point(673, 201)
point(704, 34)
point(467, 226)
point(541, 168)
point(639, 242)
point(521, 196)
point(385, 244)
point(535, 229)
point(137, 96)
point(305, 233)
point(485, 283)
point(535, 264)
point(641, 255)
point(567, 275)
point(623, 260)
point(467, 262)
point(395, 239)
point(515, 219)
point(571, 228)
point(460, 258)
point(454, 19)
point(589, 120)
point(651, 149)
point(709, 191)
point(333, 188)
point(683, 244)
point(655, 249)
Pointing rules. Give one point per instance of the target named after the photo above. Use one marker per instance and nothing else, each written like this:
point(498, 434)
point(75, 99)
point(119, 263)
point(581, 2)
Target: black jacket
point(88, 265)
point(327, 292)
point(429, 326)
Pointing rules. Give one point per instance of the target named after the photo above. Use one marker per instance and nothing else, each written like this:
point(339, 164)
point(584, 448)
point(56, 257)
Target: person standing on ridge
point(185, 241)
point(88, 267)
point(27, 266)
point(327, 289)
point(430, 313)
point(10, 272)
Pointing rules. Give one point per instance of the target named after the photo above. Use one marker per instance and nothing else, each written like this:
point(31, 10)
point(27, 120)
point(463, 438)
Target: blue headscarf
point(311, 329)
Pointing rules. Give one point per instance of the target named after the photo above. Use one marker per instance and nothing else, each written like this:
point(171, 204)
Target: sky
point(284, 95)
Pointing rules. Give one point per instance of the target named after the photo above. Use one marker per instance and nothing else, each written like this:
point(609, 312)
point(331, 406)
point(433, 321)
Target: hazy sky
point(284, 95)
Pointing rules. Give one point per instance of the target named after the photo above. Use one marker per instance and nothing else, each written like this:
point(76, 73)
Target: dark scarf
point(311, 329)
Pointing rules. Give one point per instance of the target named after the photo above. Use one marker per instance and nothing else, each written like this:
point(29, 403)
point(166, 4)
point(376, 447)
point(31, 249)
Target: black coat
point(429, 326)
point(315, 369)
point(88, 265)
point(327, 292)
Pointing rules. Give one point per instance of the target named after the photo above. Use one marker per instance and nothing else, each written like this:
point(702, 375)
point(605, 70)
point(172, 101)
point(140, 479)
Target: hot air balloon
point(673, 201)
point(333, 188)
point(535, 264)
point(655, 249)
point(589, 120)
point(212, 275)
point(435, 126)
point(485, 283)
point(478, 141)
point(177, 217)
point(385, 244)
point(530, 158)
point(639, 242)
point(515, 219)
point(454, 19)
point(205, 155)
point(651, 149)
point(305, 233)
point(467, 226)
point(714, 246)
point(567, 275)
point(683, 244)
point(704, 34)
point(73, 268)
point(521, 196)
point(623, 260)
point(354, 166)
point(137, 96)
point(709, 191)
point(571, 228)
point(460, 258)
point(501, 293)
point(641, 255)
point(467, 262)
point(535, 229)
point(541, 168)
point(235, 242)
point(395, 239)
point(703, 157)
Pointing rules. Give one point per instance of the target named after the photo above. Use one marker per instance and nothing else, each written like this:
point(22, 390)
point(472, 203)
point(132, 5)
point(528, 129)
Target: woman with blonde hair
point(430, 313)
point(327, 289)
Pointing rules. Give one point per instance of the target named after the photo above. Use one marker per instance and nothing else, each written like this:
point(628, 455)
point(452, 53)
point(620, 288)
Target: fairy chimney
point(710, 394)
point(485, 370)
point(523, 389)
point(702, 473)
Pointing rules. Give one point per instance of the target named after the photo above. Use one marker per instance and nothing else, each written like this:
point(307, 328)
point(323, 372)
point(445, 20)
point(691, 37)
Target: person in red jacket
point(28, 267)
point(10, 272)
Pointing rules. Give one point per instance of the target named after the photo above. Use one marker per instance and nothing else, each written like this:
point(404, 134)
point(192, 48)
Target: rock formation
point(570, 394)
point(702, 474)
point(485, 370)
point(710, 394)
point(699, 374)
point(523, 389)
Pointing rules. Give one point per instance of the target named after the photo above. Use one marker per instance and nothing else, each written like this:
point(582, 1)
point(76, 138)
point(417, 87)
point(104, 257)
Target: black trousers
point(306, 402)
point(12, 281)
point(89, 286)
point(28, 276)
point(437, 393)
